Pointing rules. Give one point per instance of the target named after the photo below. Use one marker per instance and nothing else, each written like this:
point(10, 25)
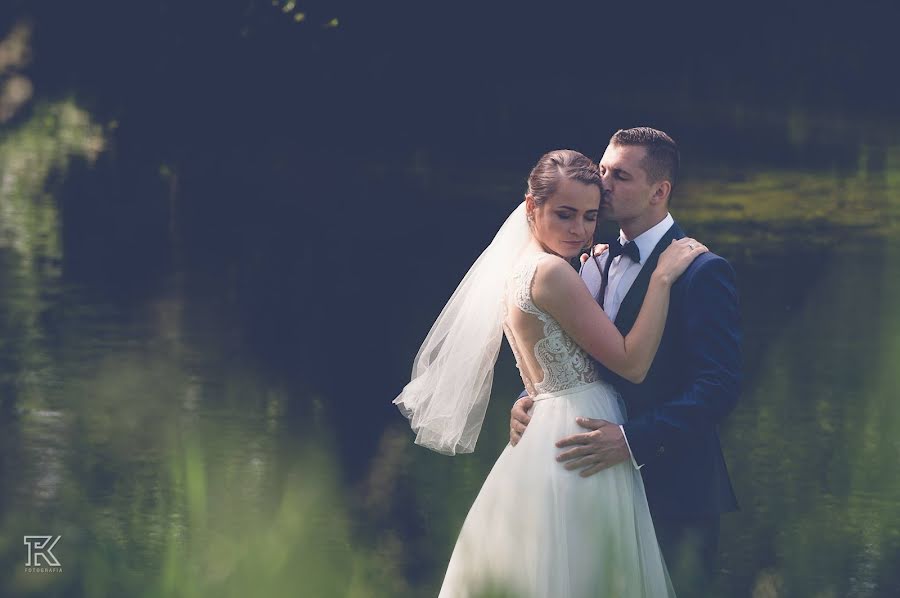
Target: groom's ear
point(663, 190)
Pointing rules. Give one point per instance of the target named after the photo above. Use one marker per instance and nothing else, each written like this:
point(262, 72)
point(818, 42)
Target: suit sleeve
point(713, 337)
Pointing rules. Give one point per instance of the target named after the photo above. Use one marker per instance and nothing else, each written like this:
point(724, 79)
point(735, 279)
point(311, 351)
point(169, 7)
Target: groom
point(671, 433)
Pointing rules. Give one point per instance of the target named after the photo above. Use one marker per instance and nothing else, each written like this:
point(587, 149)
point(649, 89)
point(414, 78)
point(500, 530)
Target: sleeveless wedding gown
point(535, 528)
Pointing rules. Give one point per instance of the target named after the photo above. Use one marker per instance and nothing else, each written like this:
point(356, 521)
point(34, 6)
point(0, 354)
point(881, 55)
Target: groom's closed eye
point(617, 173)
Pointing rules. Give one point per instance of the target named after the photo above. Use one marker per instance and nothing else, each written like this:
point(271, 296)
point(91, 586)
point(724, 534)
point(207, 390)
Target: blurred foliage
point(34, 159)
point(154, 498)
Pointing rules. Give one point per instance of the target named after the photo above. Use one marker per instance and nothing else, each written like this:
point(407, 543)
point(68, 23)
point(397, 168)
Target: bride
point(579, 536)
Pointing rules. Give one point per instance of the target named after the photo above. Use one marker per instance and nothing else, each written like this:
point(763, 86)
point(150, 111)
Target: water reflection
point(220, 433)
point(820, 424)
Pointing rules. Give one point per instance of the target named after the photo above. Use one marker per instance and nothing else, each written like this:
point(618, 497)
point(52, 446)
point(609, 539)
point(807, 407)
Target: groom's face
point(626, 190)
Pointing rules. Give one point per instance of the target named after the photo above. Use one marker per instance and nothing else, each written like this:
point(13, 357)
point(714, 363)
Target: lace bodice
point(563, 363)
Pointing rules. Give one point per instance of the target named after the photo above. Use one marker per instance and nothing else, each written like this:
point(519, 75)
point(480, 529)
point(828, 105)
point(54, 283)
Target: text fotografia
point(40, 554)
point(43, 570)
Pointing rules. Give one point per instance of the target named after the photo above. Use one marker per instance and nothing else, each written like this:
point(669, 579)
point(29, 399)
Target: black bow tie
point(630, 250)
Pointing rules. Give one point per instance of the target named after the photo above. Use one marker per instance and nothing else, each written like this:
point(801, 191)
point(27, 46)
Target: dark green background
point(225, 230)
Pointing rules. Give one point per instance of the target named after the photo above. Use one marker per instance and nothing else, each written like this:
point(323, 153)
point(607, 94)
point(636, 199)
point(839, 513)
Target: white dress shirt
point(622, 274)
point(623, 271)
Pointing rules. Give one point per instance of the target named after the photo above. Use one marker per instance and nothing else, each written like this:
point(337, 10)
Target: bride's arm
point(558, 290)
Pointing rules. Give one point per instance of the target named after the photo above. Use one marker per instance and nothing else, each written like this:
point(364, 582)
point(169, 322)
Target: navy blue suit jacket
point(693, 383)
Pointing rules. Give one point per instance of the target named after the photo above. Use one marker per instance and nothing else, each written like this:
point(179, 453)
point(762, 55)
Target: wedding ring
point(691, 245)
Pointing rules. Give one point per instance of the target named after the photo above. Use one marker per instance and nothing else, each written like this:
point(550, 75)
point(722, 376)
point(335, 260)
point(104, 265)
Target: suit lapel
point(631, 304)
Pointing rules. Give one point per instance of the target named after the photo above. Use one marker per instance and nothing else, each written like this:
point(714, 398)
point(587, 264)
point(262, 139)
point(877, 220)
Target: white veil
point(448, 394)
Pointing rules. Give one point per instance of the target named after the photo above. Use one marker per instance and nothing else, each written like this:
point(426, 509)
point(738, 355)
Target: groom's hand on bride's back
point(602, 446)
point(518, 419)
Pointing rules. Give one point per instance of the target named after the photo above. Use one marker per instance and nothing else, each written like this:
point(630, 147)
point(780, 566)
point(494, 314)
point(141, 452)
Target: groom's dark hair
point(661, 161)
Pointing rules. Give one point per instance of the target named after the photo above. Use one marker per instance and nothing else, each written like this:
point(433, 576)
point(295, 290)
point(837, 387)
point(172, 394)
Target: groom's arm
point(713, 333)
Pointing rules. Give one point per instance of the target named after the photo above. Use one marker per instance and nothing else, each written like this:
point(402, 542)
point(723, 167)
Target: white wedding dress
point(535, 528)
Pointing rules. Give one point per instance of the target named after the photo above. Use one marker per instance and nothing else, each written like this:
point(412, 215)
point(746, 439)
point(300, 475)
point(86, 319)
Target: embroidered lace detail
point(564, 364)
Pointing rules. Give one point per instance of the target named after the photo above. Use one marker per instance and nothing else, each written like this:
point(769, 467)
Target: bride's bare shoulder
point(552, 275)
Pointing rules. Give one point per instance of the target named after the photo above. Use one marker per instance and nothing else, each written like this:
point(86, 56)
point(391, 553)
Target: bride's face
point(565, 223)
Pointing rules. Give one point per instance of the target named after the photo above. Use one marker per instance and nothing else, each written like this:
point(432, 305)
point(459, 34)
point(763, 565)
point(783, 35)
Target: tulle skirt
point(539, 530)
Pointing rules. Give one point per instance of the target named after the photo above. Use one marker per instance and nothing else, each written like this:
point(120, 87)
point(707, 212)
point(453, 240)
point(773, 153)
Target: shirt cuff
point(633, 462)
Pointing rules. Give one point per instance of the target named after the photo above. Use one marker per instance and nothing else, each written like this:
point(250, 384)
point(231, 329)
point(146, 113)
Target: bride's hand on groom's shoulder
point(597, 250)
point(677, 257)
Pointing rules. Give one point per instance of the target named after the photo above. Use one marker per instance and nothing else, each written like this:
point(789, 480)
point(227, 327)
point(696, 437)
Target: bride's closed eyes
point(565, 215)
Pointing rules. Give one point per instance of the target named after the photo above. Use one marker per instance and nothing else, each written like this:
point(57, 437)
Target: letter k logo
point(37, 548)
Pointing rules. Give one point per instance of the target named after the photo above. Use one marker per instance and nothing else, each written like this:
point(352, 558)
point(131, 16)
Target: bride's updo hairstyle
point(544, 178)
